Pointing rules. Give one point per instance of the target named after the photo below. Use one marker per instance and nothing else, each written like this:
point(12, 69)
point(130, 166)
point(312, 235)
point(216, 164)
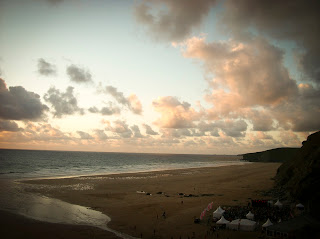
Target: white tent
point(278, 203)
point(267, 223)
point(218, 212)
point(250, 215)
point(300, 206)
point(222, 221)
point(234, 225)
point(242, 225)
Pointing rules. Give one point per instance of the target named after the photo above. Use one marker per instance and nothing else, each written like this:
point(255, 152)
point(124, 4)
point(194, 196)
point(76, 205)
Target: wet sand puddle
point(42, 208)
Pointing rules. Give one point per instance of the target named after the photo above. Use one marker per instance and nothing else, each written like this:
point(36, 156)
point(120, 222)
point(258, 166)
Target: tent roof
point(250, 214)
point(278, 203)
point(219, 210)
point(267, 223)
point(299, 205)
point(223, 221)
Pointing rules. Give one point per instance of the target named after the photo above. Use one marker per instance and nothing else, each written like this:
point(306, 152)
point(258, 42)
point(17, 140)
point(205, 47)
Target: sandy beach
point(125, 197)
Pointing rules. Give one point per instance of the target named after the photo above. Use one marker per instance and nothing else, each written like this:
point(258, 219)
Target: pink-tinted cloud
point(132, 102)
point(174, 114)
point(245, 74)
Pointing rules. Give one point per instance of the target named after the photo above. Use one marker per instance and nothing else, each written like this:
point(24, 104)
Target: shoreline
point(241, 163)
point(136, 213)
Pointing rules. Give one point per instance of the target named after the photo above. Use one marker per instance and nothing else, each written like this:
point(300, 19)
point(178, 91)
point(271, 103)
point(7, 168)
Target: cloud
point(7, 125)
point(120, 128)
point(293, 20)
point(54, 2)
point(244, 75)
point(64, 103)
point(136, 132)
point(110, 110)
point(149, 130)
point(132, 102)
point(174, 114)
point(45, 68)
point(174, 20)
point(84, 135)
point(19, 104)
point(101, 134)
point(78, 75)
point(249, 81)
point(39, 132)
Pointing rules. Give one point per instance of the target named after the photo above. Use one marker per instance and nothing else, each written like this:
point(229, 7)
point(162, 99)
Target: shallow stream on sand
point(13, 198)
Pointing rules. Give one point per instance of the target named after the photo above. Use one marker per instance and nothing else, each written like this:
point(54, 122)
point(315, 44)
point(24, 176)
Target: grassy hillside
point(272, 155)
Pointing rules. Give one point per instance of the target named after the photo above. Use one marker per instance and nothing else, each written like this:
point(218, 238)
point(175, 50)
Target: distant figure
point(164, 214)
point(181, 202)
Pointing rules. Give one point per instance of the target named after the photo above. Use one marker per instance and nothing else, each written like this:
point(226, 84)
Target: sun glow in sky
point(208, 76)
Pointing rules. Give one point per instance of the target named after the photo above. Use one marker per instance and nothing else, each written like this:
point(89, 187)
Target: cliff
point(272, 155)
point(300, 176)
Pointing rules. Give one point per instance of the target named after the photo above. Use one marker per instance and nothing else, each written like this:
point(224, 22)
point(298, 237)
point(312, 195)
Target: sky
point(159, 76)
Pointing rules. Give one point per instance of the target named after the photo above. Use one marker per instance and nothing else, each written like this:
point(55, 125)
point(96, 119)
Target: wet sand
point(13, 226)
point(135, 213)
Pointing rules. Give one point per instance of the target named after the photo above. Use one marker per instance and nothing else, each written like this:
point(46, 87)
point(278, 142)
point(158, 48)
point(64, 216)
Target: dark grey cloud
point(63, 103)
point(7, 125)
point(45, 68)
point(149, 130)
point(120, 128)
point(19, 104)
point(132, 102)
point(84, 135)
point(302, 112)
point(174, 20)
point(78, 74)
point(108, 110)
point(293, 20)
point(136, 131)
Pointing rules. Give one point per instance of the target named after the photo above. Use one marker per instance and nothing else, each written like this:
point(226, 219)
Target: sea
point(20, 164)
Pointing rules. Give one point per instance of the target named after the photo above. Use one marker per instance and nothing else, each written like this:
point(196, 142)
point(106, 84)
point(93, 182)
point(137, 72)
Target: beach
point(136, 202)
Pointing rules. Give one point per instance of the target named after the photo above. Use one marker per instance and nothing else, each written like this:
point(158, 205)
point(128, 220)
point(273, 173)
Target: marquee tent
point(267, 223)
point(222, 221)
point(242, 225)
point(250, 215)
point(218, 212)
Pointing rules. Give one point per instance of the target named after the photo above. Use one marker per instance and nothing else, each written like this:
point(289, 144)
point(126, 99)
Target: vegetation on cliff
point(273, 155)
point(300, 176)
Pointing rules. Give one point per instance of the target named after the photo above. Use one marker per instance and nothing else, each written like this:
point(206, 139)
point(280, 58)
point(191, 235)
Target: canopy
point(267, 223)
point(223, 221)
point(250, 215)
point(278, 203)
point(242, 225)
point(218, 212)
point(299, 206)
